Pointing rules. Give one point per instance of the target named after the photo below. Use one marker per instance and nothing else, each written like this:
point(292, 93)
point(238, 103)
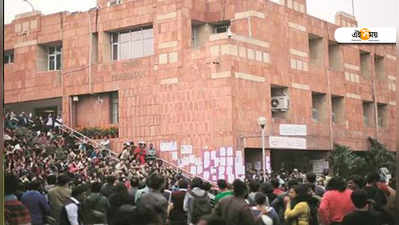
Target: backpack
point(201, 205)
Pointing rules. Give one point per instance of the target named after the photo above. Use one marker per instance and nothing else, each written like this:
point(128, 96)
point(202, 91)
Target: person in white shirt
point(70, 214)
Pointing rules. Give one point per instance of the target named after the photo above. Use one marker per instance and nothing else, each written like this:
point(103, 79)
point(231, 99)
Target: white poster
point(174, 155)
point(206, 175)
point(168, 146)
point(222, 151)
point(186, 149)
point(293, 130)
point(193, 170)
point(230, 151)
point(287, 142)
point(268, 164)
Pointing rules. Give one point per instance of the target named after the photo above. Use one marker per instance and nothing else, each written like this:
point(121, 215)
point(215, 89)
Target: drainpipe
point(90, 53)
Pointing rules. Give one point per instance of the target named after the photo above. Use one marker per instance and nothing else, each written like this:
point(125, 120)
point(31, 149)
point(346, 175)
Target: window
point(54, 57)
point(9, 56)
point(382, 115)
point(114, 2)
point(334, 56)
point(195, 30)
point(114, 108)
point(379, 66)
point(318, 109)
point(315, 49)
point(367, 113)
point(221, 27)
point(337, 104)
point(131, 44)
point(364, 63)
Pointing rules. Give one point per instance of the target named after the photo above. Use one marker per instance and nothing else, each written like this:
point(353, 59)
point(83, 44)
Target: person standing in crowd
point(264, 212)
point(297, 210)
point(276, 187)
point(206, 186)
point(223, 191)
point(49, 122)
point(336, 202)
point(134, 187)
point(234, 209)
point(196, 202)
point(363, 214)
point(36, 203)
point(15, 212)
point(94, 206)
point(279, 203)
point(108, 187)
point(154, 200)
point(211, 220)
point(142, 191)
point(70, 213)
point(151, 153)
point(177, 214)
point(355, 183)
point(58, 195)
point(318, 190)
point(253, 189)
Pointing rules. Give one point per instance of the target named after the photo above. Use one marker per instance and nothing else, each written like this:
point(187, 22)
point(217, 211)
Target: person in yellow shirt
point(297, 210)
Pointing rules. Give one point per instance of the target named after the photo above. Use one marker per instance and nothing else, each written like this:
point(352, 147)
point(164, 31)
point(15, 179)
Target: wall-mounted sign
point(293, 130)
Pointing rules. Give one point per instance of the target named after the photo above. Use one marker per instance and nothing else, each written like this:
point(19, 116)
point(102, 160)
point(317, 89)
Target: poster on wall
point(168, 146)
point(293, 130)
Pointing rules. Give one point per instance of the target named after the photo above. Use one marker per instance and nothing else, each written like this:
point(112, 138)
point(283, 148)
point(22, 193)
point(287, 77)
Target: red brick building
point(201, 72)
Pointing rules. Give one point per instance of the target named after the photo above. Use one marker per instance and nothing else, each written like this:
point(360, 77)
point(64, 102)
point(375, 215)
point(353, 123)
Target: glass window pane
point(59, 48)
point(138, 49)
point(137, 35)
point(58, 62)
point(125, 52)
point(148, 47)
point(124, 37)
point(115, 52)
point(148, 33)
point(52, 64)
point(51, 50)
point(114, 37)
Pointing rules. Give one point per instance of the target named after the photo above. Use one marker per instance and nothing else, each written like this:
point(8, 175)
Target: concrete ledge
point(26, 43)
point(246, 14)
point(351, 67)
point(167, 16)
point(220, 75)
point(252, 41)
point(354, 96)
point(169, 44)
point(297, 26)
point(392, 103)
point(388, 56)
point(300, 86)
point(249, 77)
point(298, 53)
point(174, 80)
point(391, 77)
point(220, 36)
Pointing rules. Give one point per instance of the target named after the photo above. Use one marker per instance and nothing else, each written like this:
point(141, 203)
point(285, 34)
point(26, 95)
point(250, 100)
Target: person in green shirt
point(224, 192)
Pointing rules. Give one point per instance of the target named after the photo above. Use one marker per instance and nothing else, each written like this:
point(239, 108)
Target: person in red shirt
point(276, 187)
point(336, 202)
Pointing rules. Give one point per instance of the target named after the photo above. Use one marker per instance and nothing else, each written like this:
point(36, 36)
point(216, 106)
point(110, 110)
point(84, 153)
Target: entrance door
point(253, 161)
point(44, 112)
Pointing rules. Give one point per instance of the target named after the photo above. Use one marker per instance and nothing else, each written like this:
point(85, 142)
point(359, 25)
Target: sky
point(370, 13)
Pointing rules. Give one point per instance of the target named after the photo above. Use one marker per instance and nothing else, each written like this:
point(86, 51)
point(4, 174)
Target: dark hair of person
point(358, 180)
point(95, 187)
point(111, 179)
point(196, 182)
point(213, 219)
point(156, 182)
point(254, 186)
point(182, 183)
point(35, 185)
point(266, 188)
point(275, 183)
point(119, 188)
point(239, 187)
point(78, 190)
point(311, 177)
point(302, 195)
point(222, 184)
point(292, 183)
point(336, 183)
point(372, 177)
point(359, 198)
point(52, 179)
point(260, 198)
point(10, 184)
point(206, 186)
point(134, 182)
point(63, 179)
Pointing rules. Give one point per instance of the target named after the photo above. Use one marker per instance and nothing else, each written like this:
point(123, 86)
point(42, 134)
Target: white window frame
point(130, 42)
point(57, 51)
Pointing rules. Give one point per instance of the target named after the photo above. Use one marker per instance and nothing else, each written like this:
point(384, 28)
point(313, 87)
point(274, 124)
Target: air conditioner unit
point(114, 2)
point(280, 103)
point(75, 98)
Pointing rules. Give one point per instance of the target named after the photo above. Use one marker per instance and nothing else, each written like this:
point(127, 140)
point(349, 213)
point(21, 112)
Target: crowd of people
point(54, 178)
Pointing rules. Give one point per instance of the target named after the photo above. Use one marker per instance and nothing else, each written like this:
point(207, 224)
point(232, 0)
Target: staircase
point(81, 137)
